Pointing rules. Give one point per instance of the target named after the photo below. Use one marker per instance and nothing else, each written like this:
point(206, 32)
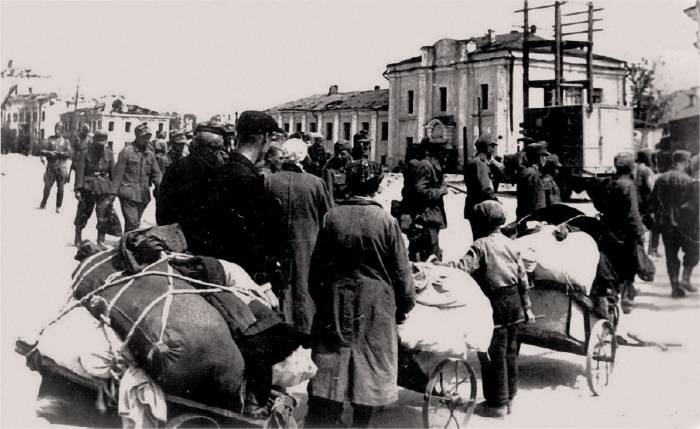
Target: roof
point(377, 99)
point(116, 105)
point(508, 41)
point(684, 103)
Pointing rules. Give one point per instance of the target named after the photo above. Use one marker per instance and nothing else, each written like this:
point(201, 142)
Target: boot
point(484, 410)
point(101, 241)
point(676, 290)
point(685, 283)
point(78, 240)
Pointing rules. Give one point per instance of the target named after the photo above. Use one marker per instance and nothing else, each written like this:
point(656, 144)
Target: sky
point(226, 56)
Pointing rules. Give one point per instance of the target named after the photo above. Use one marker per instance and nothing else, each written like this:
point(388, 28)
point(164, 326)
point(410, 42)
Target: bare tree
point(650, 104)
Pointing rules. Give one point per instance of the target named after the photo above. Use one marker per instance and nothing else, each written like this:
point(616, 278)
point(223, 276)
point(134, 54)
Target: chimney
point(333, 90)
point(376, 87)
point(491, 37)
point(533, 29)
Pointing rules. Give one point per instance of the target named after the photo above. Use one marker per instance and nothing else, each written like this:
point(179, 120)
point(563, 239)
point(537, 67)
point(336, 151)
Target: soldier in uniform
point(552, 195)
point(178, 147)
point(530, 190)
point(336, 171)
point(361, 145)
point(476, 174)
point(93, 174)
point(57, 151)
point(316, 161)
point(80, 144)
point(160, 148)
point(136, 170)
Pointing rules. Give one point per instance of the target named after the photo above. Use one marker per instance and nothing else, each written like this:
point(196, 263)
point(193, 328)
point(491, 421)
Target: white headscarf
point(296, 150)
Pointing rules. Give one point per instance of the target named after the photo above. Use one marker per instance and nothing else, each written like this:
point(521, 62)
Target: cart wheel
point(191, 420)
point(450, 395)
point(600, 355)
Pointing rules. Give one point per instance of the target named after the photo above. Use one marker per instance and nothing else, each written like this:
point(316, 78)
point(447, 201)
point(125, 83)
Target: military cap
point(484, 141)
point(364, 177)
point(624, 159)
point(177, 137)
point(255, 122)
point(214, 127)
point(535, 149)
point(342, 145)
point(142, 130)
point(489, 213)
point(681, 156)
point(100, 136)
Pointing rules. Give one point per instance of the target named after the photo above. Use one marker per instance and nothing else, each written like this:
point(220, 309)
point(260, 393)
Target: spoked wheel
point(192, 420)
point(600, 356)
point(450, 395)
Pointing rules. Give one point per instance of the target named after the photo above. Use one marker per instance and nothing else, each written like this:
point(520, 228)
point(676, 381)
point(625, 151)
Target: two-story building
point(458, 88)
point(340, 115)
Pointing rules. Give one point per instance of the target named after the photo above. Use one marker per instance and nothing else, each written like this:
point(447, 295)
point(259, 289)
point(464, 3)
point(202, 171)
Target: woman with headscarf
point(361, 283)
point(304, 201)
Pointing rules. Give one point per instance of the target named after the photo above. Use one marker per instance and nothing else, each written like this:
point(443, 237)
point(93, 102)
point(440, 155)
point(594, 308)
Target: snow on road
point(651, 388)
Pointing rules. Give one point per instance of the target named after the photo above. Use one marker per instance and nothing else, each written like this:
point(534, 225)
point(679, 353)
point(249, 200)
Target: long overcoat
point(361, 283)
point(304, 200)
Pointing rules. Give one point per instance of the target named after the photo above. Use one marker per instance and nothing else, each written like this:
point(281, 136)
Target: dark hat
point(142, 130)
point(681, 156)
point(553, 160)
point(255, 122)
point(484, 141)
point(100, 135)
point(536, 149)
point(364, 177)
point(342, 145)
point(624, 159)
point(214, 127)
point(489, 214)
point(177, 137)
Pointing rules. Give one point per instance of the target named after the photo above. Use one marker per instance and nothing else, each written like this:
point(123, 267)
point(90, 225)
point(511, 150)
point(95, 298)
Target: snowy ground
point(652, 388)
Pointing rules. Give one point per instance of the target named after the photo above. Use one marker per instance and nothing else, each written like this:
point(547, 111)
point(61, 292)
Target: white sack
point(574, 259)
point(296, 369)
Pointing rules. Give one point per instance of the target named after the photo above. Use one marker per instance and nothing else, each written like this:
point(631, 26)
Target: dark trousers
point(51, 177)
point(654, 237)
point(106, 215)
point(132, 212)
point(675, 240)
point(423, 242)
point(324, 413)
point(499, 368)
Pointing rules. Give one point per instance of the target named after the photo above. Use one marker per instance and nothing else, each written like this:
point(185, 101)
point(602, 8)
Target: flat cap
point(484, 141)
point(342, 145)
point(489, 213)
point(142, 130)
point(100, 135)
point(255, 122)
point(681, 155)
point(624, 159)
point(214, 127)
point(539, 148)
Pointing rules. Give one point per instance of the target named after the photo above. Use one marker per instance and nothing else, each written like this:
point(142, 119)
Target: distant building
point(340, 115)
point(442, 92)
point(682, 121)
point(116, 118)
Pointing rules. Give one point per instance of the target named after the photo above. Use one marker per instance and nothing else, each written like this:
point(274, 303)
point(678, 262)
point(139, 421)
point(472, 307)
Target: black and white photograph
point(350, 214)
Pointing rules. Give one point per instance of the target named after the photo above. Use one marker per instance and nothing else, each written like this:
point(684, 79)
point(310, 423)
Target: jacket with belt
point(136, 170)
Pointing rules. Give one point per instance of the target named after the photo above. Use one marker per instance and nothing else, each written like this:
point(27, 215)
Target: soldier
point(671, 192)
point(316, 161)
point(476, 174)
point(135, 171)
point(160, 148)
point(57, 151)
point(93, 174)
point(178, 147)
point(361, 145)
point(80, 144)
point(530, 191)
point(336, 171)
point(552, 195)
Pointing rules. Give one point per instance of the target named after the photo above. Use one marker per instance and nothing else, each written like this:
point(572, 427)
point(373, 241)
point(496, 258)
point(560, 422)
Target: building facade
point(458, 88)
point(116, 118)
point(340, 115)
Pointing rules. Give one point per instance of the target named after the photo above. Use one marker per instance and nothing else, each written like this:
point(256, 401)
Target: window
point(443, 99)
point(99, 124)
point(43, 116)
point(385, 131)
point(346, 130)
point(14, 117)
point(21, 116)
point(597, 95)
point(110, 145)
point(365, 126)
point(410, 102)
point(160, 127)
point(35, 116)
point(127, 127)
point(42, 134)
point(298, 128)
point(484, 96)
point(286, 127)
point(312, 127)
point(110, 126)
point(329, 131)
point(573, 96)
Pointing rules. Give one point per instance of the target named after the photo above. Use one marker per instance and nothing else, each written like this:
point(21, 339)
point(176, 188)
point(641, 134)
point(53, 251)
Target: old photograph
point(350, 213)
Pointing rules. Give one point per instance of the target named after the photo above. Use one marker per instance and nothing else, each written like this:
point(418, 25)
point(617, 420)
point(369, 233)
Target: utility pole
point(77, 88)
point(526, 58)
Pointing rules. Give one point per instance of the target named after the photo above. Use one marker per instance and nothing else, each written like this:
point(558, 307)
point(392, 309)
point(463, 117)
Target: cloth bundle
point(296, 369)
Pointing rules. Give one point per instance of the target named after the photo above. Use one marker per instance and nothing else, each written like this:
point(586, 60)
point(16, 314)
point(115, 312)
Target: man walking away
point(477, 175)
point(530, 190)
point(552, 195)
point(93, 173)
point(55, 155)
point(671, 191)
point(305, 200)
point(136, 170)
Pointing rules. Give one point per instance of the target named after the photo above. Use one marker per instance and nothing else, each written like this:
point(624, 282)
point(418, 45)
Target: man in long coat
point(361, 283)
point(477, 175)
point(530, 190)
point(304, 200)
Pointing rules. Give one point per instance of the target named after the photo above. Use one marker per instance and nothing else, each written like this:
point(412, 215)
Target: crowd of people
point(304, 223)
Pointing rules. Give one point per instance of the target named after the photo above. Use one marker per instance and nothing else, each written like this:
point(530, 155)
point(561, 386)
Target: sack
point(295, 369)
point(645, 267)
point(405, 219)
